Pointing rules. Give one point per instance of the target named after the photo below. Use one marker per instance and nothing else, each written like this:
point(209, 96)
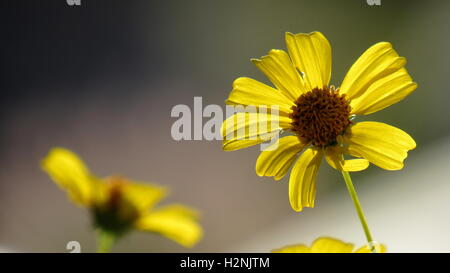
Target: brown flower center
point(320, 115)
point(115, 185)
point(115, 214)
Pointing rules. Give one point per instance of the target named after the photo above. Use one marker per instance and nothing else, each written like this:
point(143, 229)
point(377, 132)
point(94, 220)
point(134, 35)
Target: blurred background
point(101, 79)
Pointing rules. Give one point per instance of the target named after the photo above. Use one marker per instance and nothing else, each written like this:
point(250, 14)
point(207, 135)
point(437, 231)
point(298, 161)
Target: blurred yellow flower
point(320, 115)
point(119, 205)
point(328, 245)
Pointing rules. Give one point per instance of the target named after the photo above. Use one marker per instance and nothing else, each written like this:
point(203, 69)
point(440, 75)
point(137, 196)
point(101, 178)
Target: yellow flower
point(328, 245)
point(119, 205)
point(319, 115)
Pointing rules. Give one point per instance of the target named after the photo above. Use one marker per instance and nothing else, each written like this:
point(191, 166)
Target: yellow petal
point(383, 93)
point(236, 144)
point(276, 162)
point(246, 129)
point(377, 62)
point(330, 245)
point(383, 145)
point(336, 160)
point(277, 66)
point(302, 183)
point(176, 222)
point(142, 196)
point(68, 171)
point(311, 54)
point(293, 249)
point(365, 249)
point(249, 92)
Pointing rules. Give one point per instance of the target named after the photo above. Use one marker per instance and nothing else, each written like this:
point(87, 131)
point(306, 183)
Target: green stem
point(105, 241)
point(359, 210)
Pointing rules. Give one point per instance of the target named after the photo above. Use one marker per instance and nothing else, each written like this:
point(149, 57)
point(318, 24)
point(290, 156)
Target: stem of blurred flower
point(359, 210)
point(105, 241)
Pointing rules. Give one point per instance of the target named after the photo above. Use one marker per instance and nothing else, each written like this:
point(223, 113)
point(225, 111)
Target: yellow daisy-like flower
point(320, 115)
point(328, 245)
point(119, 205)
